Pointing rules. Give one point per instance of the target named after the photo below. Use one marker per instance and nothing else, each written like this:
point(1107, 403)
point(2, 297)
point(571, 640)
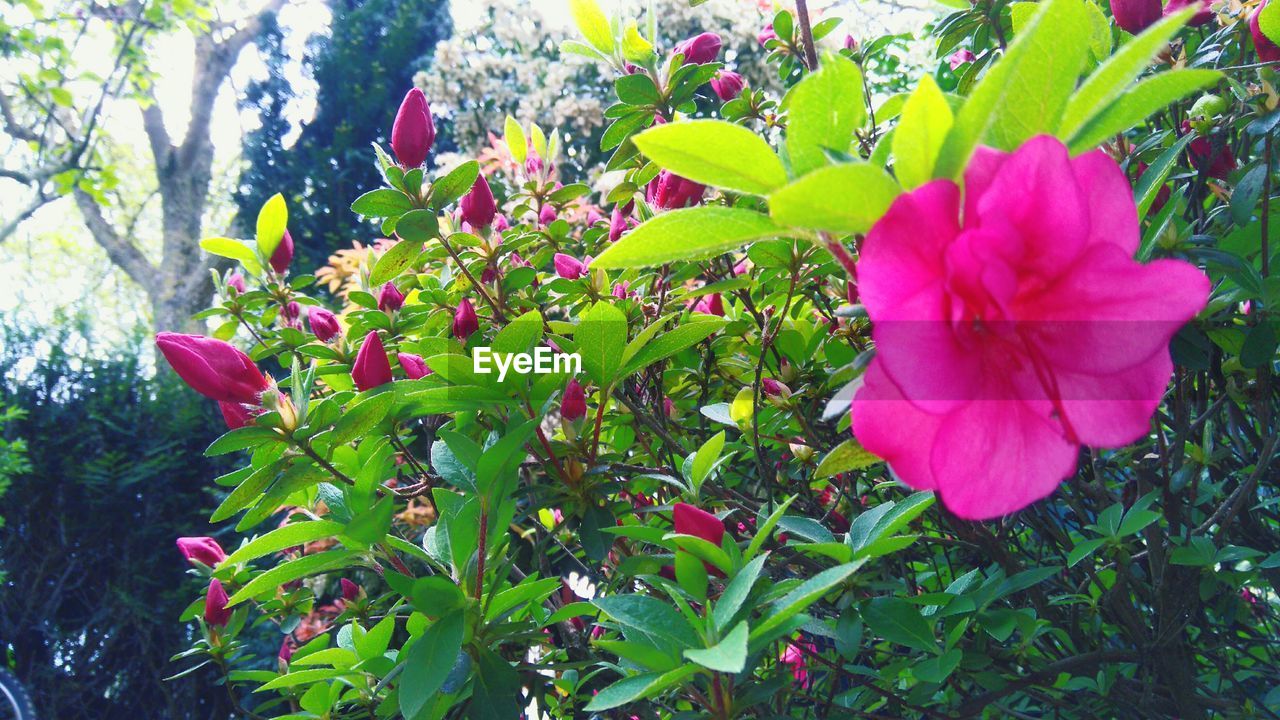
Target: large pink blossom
point(1014, 326)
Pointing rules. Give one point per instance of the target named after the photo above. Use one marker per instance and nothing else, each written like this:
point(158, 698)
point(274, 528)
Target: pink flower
point(478, 206)
point(712, 304)
point(216, 612)
point(573, 404)
point(465, 322)
point(205, 550)
point(390, 299)
point(699, 49)
point(727, 85)
point(324, 324)
point(568, 267)
point(690, 520)
point(413, 132)
point(961, 57)
point(1009, 340)
point(371, 368)
point(794, 655)
point(213, 368)
point(766, 34)
point(773, 388)
point(283, 254)
point(292, 312)
point(235, 281)
point(414, 366)
point(850, 43)
point(1135, 15)
point(669, 191)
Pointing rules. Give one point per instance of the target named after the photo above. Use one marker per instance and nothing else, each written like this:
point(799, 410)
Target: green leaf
point(637, 687)
point(689, 234)
point(246, 492)
point(846, 198)
point(669, 343)
point(1157, 173)
point(241, 439)
point(370, 526)
point(714, 152)
point(1269, 22)
point(737, 592)
point(918, 139)
point(291, 535)
point(705, 459)
point(1114, 76)
point(848, 455)
point(729, 655)
point(428, 663)
point(1083, 550)
point(804, 595)
point(456, 183)
point(362, 417)
point(637, 89)
point(418, 226)
point(593, 24)
point(272, 220)
point(380, 203)
point(234, 249)
point(303, 677)
point(762, 533)
point(900, 622)
point(601, 337)
point(517, 145)
point(823, 111)
point(394, 261)
point(1025, 91)
point(305, 566)
point(1147, 97)
point(519, 335)
point(495, 694)
point(648, 615)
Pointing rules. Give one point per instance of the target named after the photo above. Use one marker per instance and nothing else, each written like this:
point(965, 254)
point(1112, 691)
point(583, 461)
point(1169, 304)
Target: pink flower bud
point(690, 520)
point(350, 590)
point(488, 276)
point(213, 368)
point(205, 550)
point(1211, 154)
point(1267, 51)
point(286, 649)
point(1203, 14)
point(593, 217)
point(324, 324)
point(532, 164)
point(568, 267)
point(772, 387)
point(465, 322)
point(961, 57)
point(699, 49)
point(850, 43)
point(501, 224)
point(478, 206)
point(414, 366)
point(668, 407)
point(413, 133)
point(390, 299)
point(727, 85)
point(766, 34)
point(235, 281)
point(620, 290)
point(216, 612)
point(283, 254)
point(669, 191)
point(292, 311)
point(617, 224)
point(236, 415)
point(573, 404)
point(547, 215)
point(740, 268)
point(711, 304)
point(371, 368)
point(1135, 15)
point(851, 292)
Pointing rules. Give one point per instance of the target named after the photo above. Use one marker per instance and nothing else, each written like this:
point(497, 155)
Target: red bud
point(216, 612)
point(573, 404)
point(465, 322)
point(283, 254)
point(371, 368)
point(203, 549)
point(478, 206)
point(414, 132)
point(213, 368)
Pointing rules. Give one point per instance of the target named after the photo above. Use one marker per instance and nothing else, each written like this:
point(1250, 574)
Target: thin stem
point(806, 35)
point(497, 312)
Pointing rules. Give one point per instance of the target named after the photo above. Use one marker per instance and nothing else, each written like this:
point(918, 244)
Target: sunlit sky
point(40, 295)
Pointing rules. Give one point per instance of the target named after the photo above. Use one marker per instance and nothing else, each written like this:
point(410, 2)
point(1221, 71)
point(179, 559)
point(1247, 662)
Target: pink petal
point(901, 264)
point(1114, 410)
point(1113, 215)
point(994, 457)
point(895, 429)
point(979, 175)
point(1108, 313)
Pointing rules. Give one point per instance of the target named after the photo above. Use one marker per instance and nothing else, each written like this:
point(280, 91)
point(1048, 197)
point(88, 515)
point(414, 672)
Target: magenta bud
point(1203, 13)
point(283, 254)
point(961, 57)
point(501, 224)
point(573, 404)
point(547, 215)
point(594, 216)
point(850, 43)
point(478, 206)
point(569, 267)
point(772, 387)
point(324, 324)
point(669, 191)
point(371, 368)
point(620, 290)
point(292, 311)
point(532, 164)
point(390, 299)
point(235, 281)
point(690, 520)
point(286, 649)
point(216, 612)
point(617, 224)
point(1135, 15)
point(1267, 50)
point(668, 407)
point(205, 550)
point(727, 85)
point(236, 415)
point(213, 368)
point(766, 34)
point(699, 49)
point(413, 365)
point(710, 305)
point(413, 133)
point(350, 590)
point(465, 322)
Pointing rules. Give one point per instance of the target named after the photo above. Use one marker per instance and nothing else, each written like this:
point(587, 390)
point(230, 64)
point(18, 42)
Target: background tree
point(388, 41)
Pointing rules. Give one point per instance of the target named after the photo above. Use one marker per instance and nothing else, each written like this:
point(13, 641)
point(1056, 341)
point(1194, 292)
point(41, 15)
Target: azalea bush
point(948, 402)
